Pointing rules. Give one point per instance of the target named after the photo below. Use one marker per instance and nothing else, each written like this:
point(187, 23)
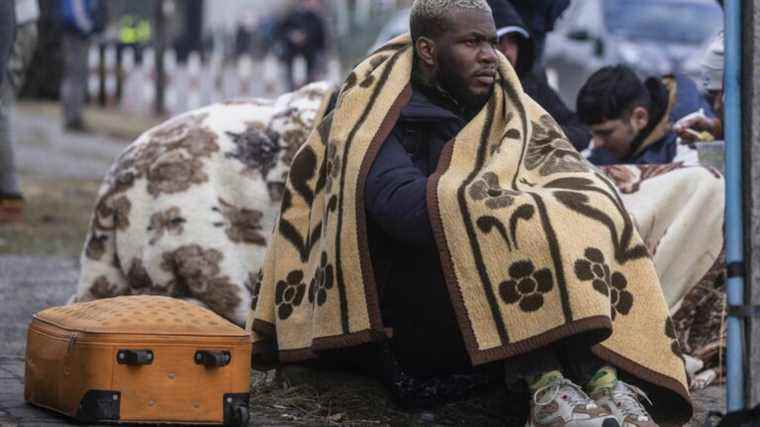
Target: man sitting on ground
point(440, 202)
point(517, 44)
point(630, 120)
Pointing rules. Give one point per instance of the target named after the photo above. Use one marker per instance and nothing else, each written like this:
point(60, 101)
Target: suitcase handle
point(134, 357)
point(211, 359)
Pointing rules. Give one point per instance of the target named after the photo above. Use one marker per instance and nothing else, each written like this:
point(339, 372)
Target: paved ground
point(43, 149)
point(29, 284)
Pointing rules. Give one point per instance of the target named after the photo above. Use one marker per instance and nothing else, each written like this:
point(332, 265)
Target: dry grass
point(56, 216)
point(312, 397)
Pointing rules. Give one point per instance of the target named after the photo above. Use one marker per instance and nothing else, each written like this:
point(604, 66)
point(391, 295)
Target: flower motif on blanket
point(526, 286)
point(594, 268)
point(322, 282)
point(289, 294)
point(197, 274)
point(488, 189)
point(257, 147)
point(242, 225)
point(167, 222)
point(332, 166)
point(551, 151)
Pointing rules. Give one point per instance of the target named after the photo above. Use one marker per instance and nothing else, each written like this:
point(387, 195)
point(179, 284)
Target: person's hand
point(297, 37)
point(696, 127)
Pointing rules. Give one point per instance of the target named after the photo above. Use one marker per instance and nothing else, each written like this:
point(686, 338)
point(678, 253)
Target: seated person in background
point(516, 43)
point(693, 127)
point(630, 120)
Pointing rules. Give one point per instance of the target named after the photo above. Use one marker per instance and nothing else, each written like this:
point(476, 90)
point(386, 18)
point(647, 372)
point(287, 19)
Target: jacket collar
point(663, 93)
point(430, 103)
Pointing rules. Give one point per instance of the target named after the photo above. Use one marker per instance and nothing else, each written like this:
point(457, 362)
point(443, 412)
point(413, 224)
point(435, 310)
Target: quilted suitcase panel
point(146, 359)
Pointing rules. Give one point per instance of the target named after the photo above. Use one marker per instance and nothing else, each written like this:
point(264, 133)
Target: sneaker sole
point(606, 423)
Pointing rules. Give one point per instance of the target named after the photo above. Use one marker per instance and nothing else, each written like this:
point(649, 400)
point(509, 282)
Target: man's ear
point(639, 118)
point(426, 50)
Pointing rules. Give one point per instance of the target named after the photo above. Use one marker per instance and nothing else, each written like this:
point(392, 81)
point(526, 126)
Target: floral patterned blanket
point(186, 210)
point(678, 211)
point(536, 245)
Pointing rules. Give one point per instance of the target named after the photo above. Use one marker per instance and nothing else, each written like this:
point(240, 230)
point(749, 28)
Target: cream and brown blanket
point(187, 209)
point(536, 245)
point(678, 211)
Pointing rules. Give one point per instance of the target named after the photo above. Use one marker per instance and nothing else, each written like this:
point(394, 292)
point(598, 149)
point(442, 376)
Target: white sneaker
point(562, 403)
point(624, 401)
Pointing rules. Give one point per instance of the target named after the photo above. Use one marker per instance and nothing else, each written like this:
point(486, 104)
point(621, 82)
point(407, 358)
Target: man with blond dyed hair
point(441, 210)
point(455, 42)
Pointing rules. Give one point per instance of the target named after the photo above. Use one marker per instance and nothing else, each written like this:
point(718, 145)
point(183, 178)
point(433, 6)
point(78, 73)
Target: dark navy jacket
point(688, 100)
point(414, 296)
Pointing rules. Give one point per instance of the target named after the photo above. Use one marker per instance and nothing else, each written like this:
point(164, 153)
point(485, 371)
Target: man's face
point(509, 46)
point(615, 136)
point(466, 57)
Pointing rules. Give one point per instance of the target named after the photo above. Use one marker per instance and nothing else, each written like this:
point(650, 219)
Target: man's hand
point(297, 37)
point(697, 127)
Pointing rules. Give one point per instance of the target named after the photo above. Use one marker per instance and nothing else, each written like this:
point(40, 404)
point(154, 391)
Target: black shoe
point(76, 125)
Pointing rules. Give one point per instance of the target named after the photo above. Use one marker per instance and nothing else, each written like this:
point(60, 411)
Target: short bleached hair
point(429, 17)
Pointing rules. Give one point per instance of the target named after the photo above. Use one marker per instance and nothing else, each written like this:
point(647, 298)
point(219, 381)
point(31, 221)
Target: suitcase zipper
point(69, 351)
point(72, 342)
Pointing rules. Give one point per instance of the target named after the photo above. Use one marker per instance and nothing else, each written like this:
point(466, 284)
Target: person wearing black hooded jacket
point(517, 44)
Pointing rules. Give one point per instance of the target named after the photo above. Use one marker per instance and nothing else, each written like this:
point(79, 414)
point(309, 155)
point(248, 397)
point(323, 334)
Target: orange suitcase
point(144, 359)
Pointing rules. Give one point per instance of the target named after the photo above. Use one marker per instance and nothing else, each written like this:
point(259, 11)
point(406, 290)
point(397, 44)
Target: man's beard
point(456, 86)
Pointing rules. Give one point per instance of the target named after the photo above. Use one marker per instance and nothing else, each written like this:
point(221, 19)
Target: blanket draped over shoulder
point(535, 244)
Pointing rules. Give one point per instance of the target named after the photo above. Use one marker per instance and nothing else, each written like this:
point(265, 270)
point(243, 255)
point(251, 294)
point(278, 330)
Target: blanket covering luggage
point(139, 359)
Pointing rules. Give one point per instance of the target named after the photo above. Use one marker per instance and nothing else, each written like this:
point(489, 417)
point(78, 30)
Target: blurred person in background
point(540, 16)
point(81, 21)
point(27, 12)
point(632, 121)
point(245, 35)
point(516, 43)
point(11, 201)
point(693, 127)
point(301, 33)
point(27, 15)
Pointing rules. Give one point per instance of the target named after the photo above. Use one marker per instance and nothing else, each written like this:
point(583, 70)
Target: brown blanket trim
point(387, 47)
point(268, 350)
point(436, 223)
point(264, 328)
point(368, 274)
point(357, 338)
point(656, 379)
point(294, 356)
point(340, 280)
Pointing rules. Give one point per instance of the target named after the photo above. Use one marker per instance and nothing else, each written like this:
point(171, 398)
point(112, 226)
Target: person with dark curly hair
point(631, 120)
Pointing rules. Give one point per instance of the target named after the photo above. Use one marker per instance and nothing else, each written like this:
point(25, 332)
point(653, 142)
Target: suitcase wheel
point(241, 416)
point(236, 410)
